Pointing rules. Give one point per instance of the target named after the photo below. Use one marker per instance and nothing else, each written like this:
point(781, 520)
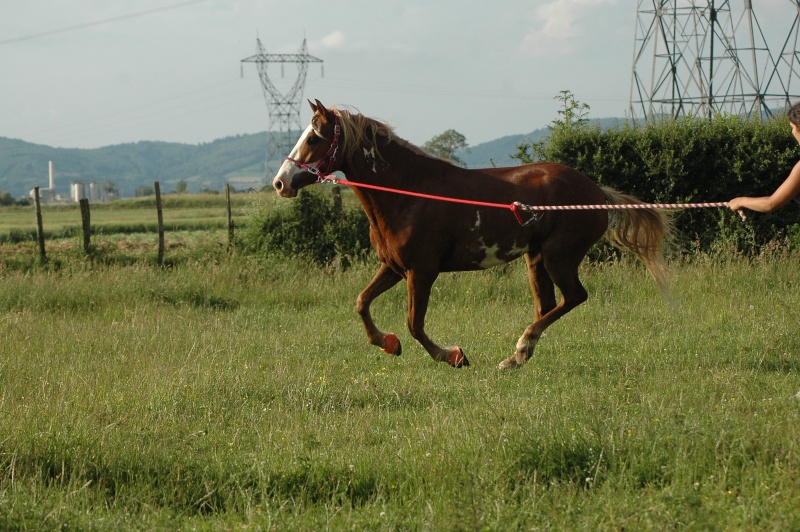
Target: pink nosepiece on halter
point(328, 160)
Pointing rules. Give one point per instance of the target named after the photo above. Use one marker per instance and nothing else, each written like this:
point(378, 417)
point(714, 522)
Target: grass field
point(180, 212)
point(235, 393)
point(124, 231)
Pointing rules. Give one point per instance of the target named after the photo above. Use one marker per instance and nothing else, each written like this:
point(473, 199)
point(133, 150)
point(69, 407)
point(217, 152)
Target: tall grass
point(234, 393)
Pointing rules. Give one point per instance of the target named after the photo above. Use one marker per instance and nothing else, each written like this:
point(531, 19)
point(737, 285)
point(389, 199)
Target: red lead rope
point(517, 207)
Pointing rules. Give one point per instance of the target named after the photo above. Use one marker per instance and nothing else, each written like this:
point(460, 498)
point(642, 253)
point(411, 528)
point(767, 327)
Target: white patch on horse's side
point(477, 222)
point(370, 154)
point(492, 259)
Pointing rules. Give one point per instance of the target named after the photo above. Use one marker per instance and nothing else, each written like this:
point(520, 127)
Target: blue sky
point(91, 73)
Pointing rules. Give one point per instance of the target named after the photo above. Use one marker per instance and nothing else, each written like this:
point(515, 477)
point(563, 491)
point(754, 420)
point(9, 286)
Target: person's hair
point(793, 114)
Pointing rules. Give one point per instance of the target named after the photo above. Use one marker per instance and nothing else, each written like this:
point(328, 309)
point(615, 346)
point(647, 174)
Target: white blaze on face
point(288, 168)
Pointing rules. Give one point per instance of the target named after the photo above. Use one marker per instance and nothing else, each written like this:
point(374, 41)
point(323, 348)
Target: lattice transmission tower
point(283, 107)
point(700, 58)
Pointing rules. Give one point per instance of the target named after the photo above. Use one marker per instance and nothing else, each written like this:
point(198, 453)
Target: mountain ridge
point(238, 160)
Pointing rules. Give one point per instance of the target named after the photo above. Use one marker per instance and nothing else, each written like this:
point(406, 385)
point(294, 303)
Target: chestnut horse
point(416, 237)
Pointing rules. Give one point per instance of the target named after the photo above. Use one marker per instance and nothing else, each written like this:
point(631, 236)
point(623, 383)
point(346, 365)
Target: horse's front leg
point(419, 291)
point(383, 280)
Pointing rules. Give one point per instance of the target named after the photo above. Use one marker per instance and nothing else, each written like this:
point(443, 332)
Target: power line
point(99, 22)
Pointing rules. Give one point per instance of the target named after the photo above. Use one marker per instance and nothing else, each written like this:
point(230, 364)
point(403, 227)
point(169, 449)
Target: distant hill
point(498, 152)
point(236, 160)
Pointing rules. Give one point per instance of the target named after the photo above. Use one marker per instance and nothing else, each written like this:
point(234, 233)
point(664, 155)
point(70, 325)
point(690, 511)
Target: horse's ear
point(321, 108)
point(318, 107)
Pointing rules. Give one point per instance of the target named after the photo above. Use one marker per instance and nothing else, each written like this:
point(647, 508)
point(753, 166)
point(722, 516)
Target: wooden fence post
point(87, 226)
point(160, 259)
point(39, 228)
point(229, 217)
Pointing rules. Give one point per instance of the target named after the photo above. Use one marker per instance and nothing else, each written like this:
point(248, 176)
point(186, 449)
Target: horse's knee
point(574, 295)
point(580, 297)
point(361, 305)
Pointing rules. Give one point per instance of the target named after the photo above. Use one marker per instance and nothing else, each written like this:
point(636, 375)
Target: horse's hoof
point(509, 363)
point(457, 358)
point(393, 346)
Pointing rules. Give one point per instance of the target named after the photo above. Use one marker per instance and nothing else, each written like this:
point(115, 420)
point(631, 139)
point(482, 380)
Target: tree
point(180, 186)
point(143, 191)
point(446, 145)
point(574, 116)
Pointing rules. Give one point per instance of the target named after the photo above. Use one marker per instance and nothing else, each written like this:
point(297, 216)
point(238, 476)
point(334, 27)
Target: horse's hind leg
point(544, 293)
point(543, 275)
point(383, 280)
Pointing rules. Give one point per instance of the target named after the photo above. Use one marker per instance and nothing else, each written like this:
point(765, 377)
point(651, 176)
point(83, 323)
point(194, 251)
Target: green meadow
point(230, 392)
point(180, 213)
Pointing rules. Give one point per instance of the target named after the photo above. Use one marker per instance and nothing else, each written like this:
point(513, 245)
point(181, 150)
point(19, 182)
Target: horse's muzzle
point(283, 188)
point(287, 186)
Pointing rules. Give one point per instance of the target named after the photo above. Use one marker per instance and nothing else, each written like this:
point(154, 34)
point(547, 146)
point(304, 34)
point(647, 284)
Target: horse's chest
point(390, 246)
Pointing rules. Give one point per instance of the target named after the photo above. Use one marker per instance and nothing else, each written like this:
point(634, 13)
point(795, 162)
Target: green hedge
point(690, 160)
point(315, 226)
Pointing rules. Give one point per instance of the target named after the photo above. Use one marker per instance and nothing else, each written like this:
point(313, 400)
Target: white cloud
point(558, 24)
point(334, 40)
point(338, 41)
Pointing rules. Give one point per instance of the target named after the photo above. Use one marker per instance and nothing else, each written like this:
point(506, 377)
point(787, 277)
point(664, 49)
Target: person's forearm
point(760, 204)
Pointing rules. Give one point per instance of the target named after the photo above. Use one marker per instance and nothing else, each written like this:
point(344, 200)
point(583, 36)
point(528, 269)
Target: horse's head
point(314, 156)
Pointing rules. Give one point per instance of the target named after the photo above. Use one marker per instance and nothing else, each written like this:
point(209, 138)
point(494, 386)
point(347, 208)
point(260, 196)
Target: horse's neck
point(387, 164)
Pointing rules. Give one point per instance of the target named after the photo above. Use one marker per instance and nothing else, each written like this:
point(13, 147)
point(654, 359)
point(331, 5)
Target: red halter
point(328, 160)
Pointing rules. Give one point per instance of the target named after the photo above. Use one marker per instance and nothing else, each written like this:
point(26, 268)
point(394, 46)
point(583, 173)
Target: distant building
point(95, 192)
point(47, 195)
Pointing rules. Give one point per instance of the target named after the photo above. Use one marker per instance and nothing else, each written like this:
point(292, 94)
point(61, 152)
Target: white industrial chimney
point(52, 182)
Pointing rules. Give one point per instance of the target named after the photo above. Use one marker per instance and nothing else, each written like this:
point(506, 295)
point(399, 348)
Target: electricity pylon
point(698, 59)
point(283, 108)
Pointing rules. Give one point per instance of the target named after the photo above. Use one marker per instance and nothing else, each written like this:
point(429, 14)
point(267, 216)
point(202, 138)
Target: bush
point(315, 226)
point(686, 161)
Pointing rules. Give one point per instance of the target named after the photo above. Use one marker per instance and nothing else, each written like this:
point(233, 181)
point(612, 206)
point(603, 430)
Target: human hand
point(736, 205)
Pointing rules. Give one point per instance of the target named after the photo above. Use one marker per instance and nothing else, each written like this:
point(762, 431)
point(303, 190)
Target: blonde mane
point(359, 130)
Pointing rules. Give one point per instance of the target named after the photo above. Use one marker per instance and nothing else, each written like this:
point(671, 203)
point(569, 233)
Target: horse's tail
point(642, 231)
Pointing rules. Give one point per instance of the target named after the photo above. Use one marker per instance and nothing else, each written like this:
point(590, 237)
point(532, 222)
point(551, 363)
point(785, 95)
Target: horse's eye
point(312, 141)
